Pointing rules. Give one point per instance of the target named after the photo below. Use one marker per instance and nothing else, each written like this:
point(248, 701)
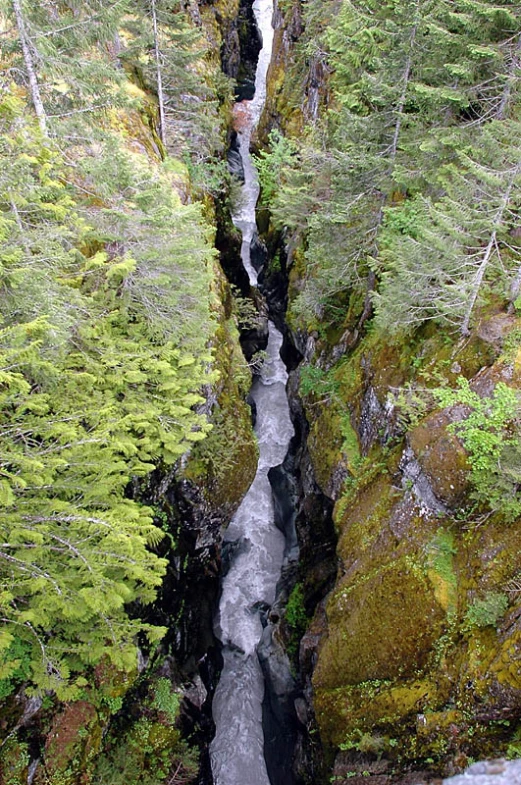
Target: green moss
point(441, 551)
point(146, 754)
point(325, 446)
point(376, 707)
point(486, 611)
point(14, 762)
point(350, 447)
point(360, 513)
point(381, 628)
point(224, 464)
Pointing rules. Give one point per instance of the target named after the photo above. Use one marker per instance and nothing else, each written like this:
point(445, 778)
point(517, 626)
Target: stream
point(249, 587)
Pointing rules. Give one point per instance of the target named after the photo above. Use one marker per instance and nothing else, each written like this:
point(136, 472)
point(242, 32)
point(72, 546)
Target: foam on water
point(237, 751)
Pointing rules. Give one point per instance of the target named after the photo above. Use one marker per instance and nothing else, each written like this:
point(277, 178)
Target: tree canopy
point(413, 170)
point(106, 326)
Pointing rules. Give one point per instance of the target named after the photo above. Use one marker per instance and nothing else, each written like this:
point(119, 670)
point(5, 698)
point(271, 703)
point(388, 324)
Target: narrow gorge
point(260, 392)
point(257, 546)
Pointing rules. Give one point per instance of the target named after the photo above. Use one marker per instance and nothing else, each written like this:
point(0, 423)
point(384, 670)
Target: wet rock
point(284, 500)
point(250, 44)
point(373, 420)
point(31, 773)
point(498, 772)
point(258, 252)
point(196, 693)
point(279, 716)
point(439, 459)
point(230, 551)
point(235, 164)
point(419, 483)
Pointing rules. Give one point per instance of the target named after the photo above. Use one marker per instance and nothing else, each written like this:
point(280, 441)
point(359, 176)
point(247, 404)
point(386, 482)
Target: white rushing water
point(237, 751)
point(244, 219)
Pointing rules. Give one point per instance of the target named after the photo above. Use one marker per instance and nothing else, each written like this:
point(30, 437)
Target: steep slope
point(393, 191)
point(122, 381)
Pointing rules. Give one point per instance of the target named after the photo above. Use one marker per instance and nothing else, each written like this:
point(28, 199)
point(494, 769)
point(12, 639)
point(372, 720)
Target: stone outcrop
point(497, 772)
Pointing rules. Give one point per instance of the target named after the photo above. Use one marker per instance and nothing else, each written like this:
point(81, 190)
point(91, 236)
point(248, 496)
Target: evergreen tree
point(441, 257)
point(69, 57)
point(106, 321)
point(402, 74)
point(175, 65)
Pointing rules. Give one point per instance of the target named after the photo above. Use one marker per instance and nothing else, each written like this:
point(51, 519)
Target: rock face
point(413, 662)
point(490, 773)
point(409, 666)
point(406, 670)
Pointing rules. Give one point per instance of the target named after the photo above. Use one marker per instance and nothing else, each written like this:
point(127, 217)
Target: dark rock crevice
point(303, 513)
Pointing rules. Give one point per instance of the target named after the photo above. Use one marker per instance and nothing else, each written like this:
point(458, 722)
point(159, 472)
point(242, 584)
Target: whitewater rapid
point(248, 588)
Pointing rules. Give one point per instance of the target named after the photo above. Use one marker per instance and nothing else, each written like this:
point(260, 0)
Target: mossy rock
point(73, 742)
point(325, 448)
point(14, 762)
point(442, 458)
point(350, 379)
point(224, 464)
point(281, 108)
point(360, 521)
point(385, 707)
point(491, 553)
point(379, 664)
point(505, 665)
point(380, 629)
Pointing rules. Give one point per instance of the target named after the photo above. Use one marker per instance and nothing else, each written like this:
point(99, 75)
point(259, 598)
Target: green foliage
point(147, 754)
point(192, 92)
point(295, 613)
point(514, 748)
point(165, 700)
point(114, 704)
point(14, 760)
point(14, 663)
point(105, 281)
point(296, 618)
point(407, 187)
point(315, 381)
point(411, 406)
point(439, 257)
point(71, 88)
point(274, 165)
point(246, 311)
point(489, 430)
point(486, 612)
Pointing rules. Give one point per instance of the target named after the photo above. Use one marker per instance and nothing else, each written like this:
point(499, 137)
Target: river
point(248, 588)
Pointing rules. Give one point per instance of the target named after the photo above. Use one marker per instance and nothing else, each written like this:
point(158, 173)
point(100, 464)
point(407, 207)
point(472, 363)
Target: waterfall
point(248, 589)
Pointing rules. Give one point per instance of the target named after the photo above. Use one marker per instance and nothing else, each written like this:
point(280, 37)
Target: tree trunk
point(477, 283)
point(31, 71)
point(488, 253)
point(515, 66)
point(401, 103)
point(159, 76)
